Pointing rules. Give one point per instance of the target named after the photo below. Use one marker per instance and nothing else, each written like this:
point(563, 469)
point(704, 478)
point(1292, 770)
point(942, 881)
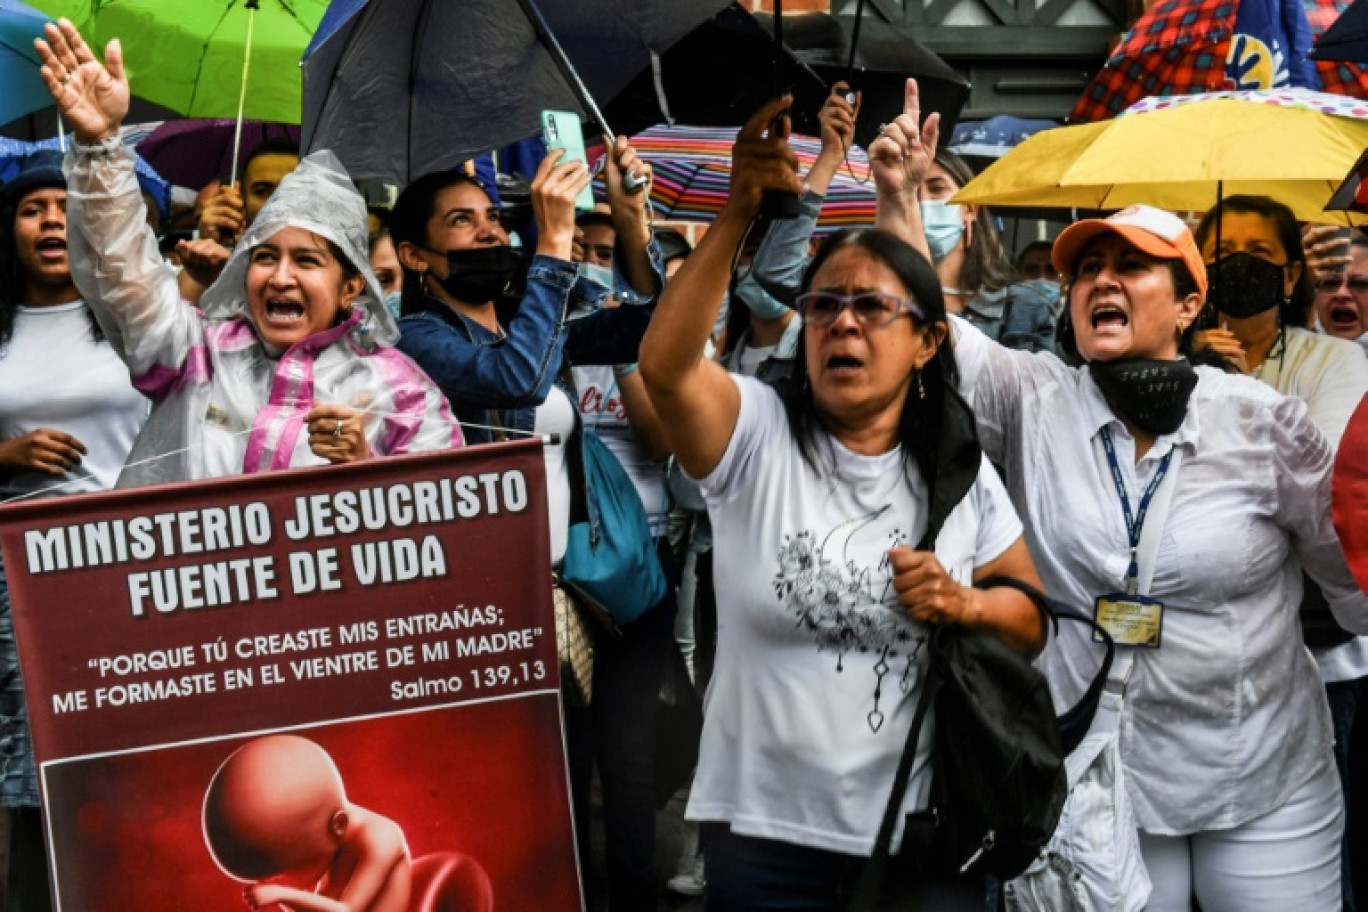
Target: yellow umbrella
point(1183, 157)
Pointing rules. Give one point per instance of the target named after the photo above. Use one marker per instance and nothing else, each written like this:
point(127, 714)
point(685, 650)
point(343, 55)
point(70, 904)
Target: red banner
point(266, 686)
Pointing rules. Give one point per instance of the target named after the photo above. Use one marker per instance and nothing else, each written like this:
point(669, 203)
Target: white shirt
point(54, 374)
point(751, 357)
point(556, 415)
point(817, 679)
point(602, 411)
point(1228, 717)
point(1331, 376)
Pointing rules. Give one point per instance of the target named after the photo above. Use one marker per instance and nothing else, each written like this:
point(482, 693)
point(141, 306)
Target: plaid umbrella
point(1338, 76)
point(1177, 47)
point(692, 168)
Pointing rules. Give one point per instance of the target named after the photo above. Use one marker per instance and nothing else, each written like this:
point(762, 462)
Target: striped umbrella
point(692, 167)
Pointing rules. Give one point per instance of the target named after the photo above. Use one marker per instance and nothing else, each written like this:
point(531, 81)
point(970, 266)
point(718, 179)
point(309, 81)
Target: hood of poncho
point(318, 196)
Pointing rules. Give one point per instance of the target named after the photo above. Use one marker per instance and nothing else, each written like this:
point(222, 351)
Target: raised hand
point(92, 96)
point(554, 188)
point(837, 119)
point(1327, 250)
point(904, 150)
point(622, 159)
point(224, 216)
point(762, 160)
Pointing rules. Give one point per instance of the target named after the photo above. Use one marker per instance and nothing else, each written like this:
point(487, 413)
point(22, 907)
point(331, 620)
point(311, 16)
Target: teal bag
point(610, 557)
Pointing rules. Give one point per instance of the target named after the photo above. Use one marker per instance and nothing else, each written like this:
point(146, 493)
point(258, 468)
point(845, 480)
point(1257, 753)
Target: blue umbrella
point(398, 88)
point(24, 91)
point(12, 150)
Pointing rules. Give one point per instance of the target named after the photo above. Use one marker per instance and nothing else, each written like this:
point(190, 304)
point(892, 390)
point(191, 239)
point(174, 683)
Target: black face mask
point(482, 274)
point(1242, 285)
point(1152, 395)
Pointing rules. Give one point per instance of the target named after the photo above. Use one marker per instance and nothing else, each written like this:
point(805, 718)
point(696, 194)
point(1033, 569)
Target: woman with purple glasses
point(852, 509)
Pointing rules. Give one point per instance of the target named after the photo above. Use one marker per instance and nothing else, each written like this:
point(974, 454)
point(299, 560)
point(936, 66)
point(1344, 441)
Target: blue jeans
point(746, 874)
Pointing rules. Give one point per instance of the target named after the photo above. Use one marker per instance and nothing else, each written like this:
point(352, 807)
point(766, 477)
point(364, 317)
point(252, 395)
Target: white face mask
point(943, 224)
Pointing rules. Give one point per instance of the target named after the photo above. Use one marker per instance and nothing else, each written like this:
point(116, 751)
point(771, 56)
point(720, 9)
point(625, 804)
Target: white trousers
point(1287, 859)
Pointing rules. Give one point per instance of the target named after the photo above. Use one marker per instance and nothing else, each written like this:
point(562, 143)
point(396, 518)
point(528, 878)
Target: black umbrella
point(398, 88)
point(884, 57)
point(1347, 38)
point(716, 76)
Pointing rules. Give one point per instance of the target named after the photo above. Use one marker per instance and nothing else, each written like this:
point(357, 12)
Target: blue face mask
point(392, 301)
point(599, 275)
point(762, 305)
point(944, 226)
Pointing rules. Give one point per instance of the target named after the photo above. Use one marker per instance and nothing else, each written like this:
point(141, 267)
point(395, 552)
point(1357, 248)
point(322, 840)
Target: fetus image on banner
point(276, 815)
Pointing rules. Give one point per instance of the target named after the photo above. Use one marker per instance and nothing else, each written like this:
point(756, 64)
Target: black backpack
point(998, 782)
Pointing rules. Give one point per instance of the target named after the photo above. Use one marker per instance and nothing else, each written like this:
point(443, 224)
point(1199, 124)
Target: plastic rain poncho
point(223, 402)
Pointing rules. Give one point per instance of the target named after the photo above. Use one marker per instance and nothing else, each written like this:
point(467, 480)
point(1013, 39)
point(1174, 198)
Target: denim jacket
point(1017, 316)
point(498, 381)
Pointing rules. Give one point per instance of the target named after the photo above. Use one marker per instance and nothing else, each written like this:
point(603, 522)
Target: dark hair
point(1296, 310)
point(919, 430)
point(1066, 342)
point(275, 145)
point(986, 265)
point(1032, 247)
point(673, 244)
point(594, 220)
point(349, 269)
point(409, 222)
point(12, 280)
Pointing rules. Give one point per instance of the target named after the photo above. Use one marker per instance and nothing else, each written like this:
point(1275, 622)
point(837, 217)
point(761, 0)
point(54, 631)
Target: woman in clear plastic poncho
point(289, 362)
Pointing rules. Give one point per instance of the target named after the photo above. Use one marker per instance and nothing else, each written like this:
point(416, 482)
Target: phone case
point(562, 130)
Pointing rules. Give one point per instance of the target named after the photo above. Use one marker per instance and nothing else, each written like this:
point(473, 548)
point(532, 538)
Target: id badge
point(1132, 620)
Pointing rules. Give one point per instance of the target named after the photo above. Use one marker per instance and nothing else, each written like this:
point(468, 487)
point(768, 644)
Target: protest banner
point(287, 677)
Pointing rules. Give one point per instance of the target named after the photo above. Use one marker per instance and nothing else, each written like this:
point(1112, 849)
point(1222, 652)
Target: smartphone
point(562, 130)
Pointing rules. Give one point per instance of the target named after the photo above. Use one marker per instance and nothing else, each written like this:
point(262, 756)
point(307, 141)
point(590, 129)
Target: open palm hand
point(92, 96)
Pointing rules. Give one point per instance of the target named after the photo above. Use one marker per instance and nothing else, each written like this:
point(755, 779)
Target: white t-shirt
point(54, 374)
point(751, 357)
point(601, 410)
point(556, 415)
point(817, 675)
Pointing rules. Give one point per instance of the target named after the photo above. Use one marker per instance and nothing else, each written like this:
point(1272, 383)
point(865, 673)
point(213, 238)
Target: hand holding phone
point(562, 130)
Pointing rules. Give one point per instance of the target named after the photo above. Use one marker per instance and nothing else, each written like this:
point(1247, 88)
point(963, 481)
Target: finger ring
point(66, 79)
point(883, 128)
point(337, 431)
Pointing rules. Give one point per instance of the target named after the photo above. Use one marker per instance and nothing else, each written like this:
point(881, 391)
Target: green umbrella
point(192, 56)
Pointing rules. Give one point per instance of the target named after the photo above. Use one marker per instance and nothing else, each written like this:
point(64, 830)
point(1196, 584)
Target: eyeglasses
point(871, 309)
point(1332, 282)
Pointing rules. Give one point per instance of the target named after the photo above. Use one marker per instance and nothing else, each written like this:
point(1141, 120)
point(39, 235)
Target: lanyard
point(1135, 524)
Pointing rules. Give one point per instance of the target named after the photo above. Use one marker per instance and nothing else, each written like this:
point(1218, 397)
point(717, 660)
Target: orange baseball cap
point(1156, 232)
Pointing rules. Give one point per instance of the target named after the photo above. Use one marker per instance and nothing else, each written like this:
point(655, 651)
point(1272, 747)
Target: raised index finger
point(912, 101)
